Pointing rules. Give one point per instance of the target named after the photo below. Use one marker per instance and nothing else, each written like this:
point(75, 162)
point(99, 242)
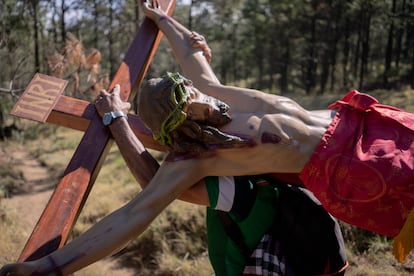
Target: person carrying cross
point(357, 157)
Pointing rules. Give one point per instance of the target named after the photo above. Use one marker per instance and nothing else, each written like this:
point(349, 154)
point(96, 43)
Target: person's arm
point(140, 162)
point(143, 166)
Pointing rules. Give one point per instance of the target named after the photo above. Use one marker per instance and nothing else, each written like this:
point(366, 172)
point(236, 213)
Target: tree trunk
point(399, 39)
point(271, 62)
point(357, 48)
point(365, 49)
point(334, 50)
point(54, 24)
point(410, 42)
point(258, 50)
point(389, 50)
point(190, 18)
point(62, 21)
point(137, 9)
point(112, 65)
point(345, 57)
point(34, 4)
point(284, 67)
point(234, 53)
point(95, 24)
point(311, 64)
point(328, 38)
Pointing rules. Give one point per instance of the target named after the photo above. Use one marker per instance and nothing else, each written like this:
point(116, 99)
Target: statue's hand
point(199, 41)
point(153, 10)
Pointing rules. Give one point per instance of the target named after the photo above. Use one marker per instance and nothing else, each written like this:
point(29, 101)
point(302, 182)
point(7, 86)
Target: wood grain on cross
point(65, 204)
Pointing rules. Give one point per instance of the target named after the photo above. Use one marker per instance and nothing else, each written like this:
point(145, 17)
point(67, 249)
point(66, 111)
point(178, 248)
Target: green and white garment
point(251, 205)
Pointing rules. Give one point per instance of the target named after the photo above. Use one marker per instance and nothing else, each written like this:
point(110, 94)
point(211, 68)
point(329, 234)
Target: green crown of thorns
point(177, 116)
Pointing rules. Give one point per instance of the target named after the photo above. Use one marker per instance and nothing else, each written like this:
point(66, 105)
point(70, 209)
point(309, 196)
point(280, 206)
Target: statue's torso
point(284, 135)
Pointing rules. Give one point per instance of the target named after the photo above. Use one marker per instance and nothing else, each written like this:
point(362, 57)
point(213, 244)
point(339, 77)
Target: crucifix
point(42, 101)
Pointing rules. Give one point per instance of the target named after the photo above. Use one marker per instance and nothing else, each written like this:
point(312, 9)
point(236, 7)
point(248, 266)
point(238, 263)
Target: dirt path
point(36, 195)
point(33, 197)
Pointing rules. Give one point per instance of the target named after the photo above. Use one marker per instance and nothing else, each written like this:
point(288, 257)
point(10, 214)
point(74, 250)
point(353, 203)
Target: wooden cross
point(42, 101)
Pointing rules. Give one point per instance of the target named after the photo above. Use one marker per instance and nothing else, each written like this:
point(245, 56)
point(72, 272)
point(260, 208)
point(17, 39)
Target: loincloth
point(363, 169)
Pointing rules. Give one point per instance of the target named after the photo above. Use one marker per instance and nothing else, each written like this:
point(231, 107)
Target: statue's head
point(162, 102)
point(180, 116)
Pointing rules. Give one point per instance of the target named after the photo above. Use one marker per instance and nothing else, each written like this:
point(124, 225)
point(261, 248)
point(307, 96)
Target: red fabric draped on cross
point(363, 169)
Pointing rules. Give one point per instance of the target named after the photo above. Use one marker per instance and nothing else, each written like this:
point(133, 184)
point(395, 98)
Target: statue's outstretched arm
point(194, 61)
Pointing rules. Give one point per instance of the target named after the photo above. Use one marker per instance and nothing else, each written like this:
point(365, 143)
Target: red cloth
point(363, 169)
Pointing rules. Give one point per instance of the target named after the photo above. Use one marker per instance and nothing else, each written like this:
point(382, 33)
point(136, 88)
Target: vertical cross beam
point(65, 204)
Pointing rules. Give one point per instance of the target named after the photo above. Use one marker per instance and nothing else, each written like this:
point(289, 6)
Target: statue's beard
point(192, 136)
point(195, 136)
point(200, 136)
point(218, 115)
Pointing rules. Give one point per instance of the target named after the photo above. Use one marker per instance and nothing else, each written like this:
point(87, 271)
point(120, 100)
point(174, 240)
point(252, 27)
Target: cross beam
point(65, 204)
point(42, 101)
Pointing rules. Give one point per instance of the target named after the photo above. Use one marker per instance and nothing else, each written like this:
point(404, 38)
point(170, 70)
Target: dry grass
point(11, 237)
point(174, 244)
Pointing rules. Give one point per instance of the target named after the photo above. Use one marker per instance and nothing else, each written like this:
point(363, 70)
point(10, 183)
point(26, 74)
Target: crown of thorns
point(177, 116)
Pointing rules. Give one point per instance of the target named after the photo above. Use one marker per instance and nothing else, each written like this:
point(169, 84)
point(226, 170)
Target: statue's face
point(166, 103)
point(205, 109)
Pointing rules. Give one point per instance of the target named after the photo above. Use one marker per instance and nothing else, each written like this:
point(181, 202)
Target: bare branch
point(12, 92)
